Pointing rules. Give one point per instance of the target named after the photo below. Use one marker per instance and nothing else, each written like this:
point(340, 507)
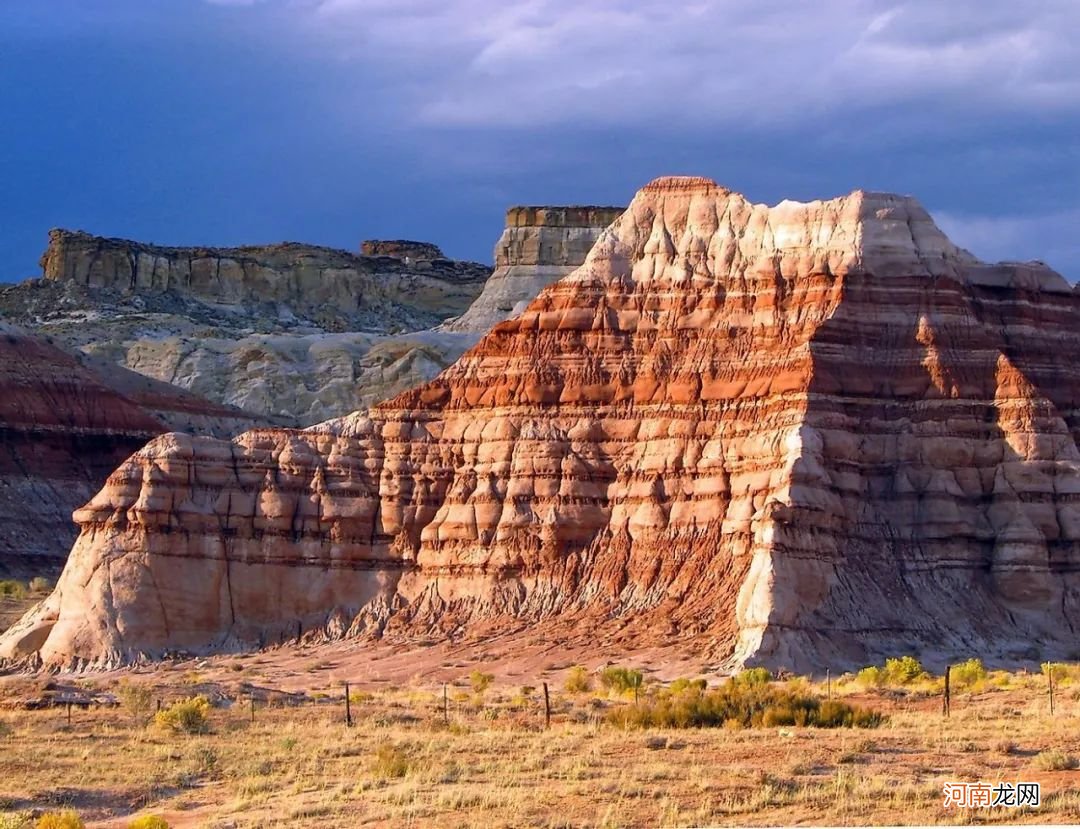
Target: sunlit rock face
point(808, 436)
point(538, 246)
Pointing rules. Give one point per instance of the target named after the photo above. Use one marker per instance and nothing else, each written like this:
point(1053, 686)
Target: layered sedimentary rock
point(805, 435)
point(402, 249)
point(63, 432)
point(288, 332)
point(538, 246)
point(63, 428)
point(334, 289)
point(284, 368)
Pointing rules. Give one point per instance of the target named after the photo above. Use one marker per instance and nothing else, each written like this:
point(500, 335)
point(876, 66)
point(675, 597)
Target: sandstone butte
point(804, 435)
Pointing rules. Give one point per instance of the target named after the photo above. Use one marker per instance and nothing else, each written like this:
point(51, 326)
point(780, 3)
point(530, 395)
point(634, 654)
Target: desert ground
point(456, 746)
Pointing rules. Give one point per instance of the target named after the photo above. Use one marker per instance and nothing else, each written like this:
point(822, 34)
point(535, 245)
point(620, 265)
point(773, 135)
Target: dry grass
point(494, 766)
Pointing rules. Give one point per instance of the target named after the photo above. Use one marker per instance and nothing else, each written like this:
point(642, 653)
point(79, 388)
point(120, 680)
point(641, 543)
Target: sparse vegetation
point(871, 677)
point(903, 670)
point(188, 716)
point(148, 822)
point(480, 681)
point(754, 676)
point(621, 680)
point(66, 819)
point(12, 589)
point(39, 586)
point(578, 680)
point(750, 705)
point(390, 761)
point(678, 686)
point(401, 763)
point(1054, 760)
point(968, 674)
point(136, 699)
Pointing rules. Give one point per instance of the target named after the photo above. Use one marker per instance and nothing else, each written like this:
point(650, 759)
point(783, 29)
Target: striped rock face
point(806, 435)
point(538, 246)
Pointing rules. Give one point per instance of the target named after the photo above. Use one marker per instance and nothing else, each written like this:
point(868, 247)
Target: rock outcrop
point(281, 367)
point(65, 426)
point(806, 435)
point(405, 249)
point(277, 330)
point(333, 289)
point(538, 246)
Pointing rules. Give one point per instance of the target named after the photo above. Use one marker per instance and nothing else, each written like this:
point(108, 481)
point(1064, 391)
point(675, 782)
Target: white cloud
point(699, 62)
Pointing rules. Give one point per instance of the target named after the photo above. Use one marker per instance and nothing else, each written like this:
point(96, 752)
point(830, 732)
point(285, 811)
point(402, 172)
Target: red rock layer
point(61, 433)
point(807, 435)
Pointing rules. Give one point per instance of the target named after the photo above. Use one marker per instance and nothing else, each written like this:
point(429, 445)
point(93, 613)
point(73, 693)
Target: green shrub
point(871, 677)
point(739, 705)
point(189, 716)
point(967, 673)
point(903, 670)
point(12, 589)
point(136, 699)
point(480, 681)
point(1060, 670)
point(66, 819)
point(148, 822)
point(578, 680)
point(683, 686)
point(621, 680)
point(390, 762)
point(754, 676)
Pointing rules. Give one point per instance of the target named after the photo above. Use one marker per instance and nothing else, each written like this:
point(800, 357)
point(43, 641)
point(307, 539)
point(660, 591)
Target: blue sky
point(330, 121)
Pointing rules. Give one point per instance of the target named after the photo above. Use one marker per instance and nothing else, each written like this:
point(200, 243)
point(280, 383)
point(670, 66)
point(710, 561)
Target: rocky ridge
point(805, 435)
point(331, 289)
point(266, 363)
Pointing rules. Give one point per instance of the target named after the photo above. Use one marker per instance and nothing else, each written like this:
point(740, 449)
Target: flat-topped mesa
point(539, 245)
point(405, 249)
point(334, 288)
point(725, 437)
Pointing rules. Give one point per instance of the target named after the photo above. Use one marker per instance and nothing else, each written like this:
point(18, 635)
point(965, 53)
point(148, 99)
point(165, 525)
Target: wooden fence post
point(1050, 684)
point(253, 708)
point(445, 705)
point(547, 707)
point(348, 707)
point(69, 713)
point(828, 683)
point(946, 700)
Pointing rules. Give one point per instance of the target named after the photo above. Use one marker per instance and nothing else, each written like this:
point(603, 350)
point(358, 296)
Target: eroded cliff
point(64, 426)
point(805, 435)
point(538, 246)
point(273, 364)
point(333, 289)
